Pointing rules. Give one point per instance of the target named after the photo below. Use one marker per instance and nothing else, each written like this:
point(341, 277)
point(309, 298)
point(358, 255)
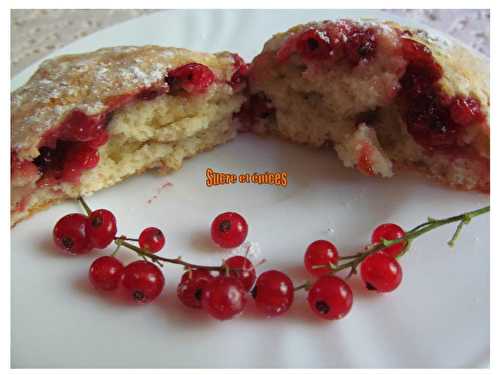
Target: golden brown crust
point(87, 82)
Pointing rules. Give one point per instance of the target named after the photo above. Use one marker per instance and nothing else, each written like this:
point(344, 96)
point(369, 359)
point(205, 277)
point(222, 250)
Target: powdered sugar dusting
point(87, 82)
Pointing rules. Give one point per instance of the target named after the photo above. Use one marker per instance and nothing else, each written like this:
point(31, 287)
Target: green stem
point(85, 205)
point(417, 231)
point(155, 258)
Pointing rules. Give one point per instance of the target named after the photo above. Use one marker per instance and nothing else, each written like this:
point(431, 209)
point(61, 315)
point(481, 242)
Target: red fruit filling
point(193, 78)
point(340, 41)
point(72, 148)
point(256, 107)
point(239, 77)
point(434, 120)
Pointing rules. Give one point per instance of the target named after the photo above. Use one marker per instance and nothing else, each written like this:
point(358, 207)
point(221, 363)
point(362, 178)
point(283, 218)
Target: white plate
point(439, 317)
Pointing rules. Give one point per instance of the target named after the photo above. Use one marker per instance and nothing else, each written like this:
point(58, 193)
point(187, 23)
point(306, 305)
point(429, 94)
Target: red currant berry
point(143, 280)
point(319, 256)
point(224, 297)
point(465, 111)
point(229, 230)
point(381, 272)
point(330, 297)
point(190, 289)
point(70, 234)
point(389, 232)
point(242, 269)
point(152, 239)
point(106, 273)
point(314, 44)
point(101, 228)
point(193, 77)
point(273, 293)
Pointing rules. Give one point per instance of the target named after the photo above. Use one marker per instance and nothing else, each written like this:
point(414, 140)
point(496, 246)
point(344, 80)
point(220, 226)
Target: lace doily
point(36, 33)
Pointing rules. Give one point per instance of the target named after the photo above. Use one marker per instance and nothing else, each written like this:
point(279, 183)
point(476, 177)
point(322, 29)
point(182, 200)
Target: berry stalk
point(158, 259)
point(354, 261)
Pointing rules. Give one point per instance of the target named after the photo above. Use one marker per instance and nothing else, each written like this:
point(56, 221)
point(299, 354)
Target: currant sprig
point(223, 290)
point(353, 261)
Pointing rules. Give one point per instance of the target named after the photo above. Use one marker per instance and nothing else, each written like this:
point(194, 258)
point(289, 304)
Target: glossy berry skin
point(152, 239)
point(70, 234)
point(273, 293)
point(389, 232)
point(143, 280)
point(224, 297)
point(190, 289)
point(105, 273)
point(381, 272)
point(330, 297)
point(242, 269)
point(101, 228)
point(193, 78)
point(229, 230)
point(320, 253)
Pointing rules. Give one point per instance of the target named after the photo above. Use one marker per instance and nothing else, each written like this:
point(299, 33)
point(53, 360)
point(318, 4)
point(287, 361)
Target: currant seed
point(105, 273)
point(143, 280)
point(330, 297)
point(319, 256)
point(152, 239)
point(381, 272)
point(70, 234)
point(229, 230)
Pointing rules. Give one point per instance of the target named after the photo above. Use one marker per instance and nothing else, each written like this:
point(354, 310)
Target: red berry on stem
point(330, 297)
point(70, 234)
point(242, 269)
point(224, 297)
point(389, 232)
point(105, 273)
point(319, 256)
point(193, 77)
point(229, 230)
point(101, 228)
point(152, 239)
point(143, 280)
point(381, 272)
point(273, 293)
point(190, 289)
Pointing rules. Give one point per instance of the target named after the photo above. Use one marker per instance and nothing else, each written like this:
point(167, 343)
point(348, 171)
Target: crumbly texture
point(324, 106)
point(154, 134)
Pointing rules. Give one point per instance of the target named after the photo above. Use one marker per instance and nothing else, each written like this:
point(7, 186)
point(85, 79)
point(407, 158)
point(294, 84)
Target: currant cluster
point(223, 291)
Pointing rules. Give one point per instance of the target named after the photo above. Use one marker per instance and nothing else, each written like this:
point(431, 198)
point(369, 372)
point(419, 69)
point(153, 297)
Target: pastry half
point(85, 122)
point(384, 96)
